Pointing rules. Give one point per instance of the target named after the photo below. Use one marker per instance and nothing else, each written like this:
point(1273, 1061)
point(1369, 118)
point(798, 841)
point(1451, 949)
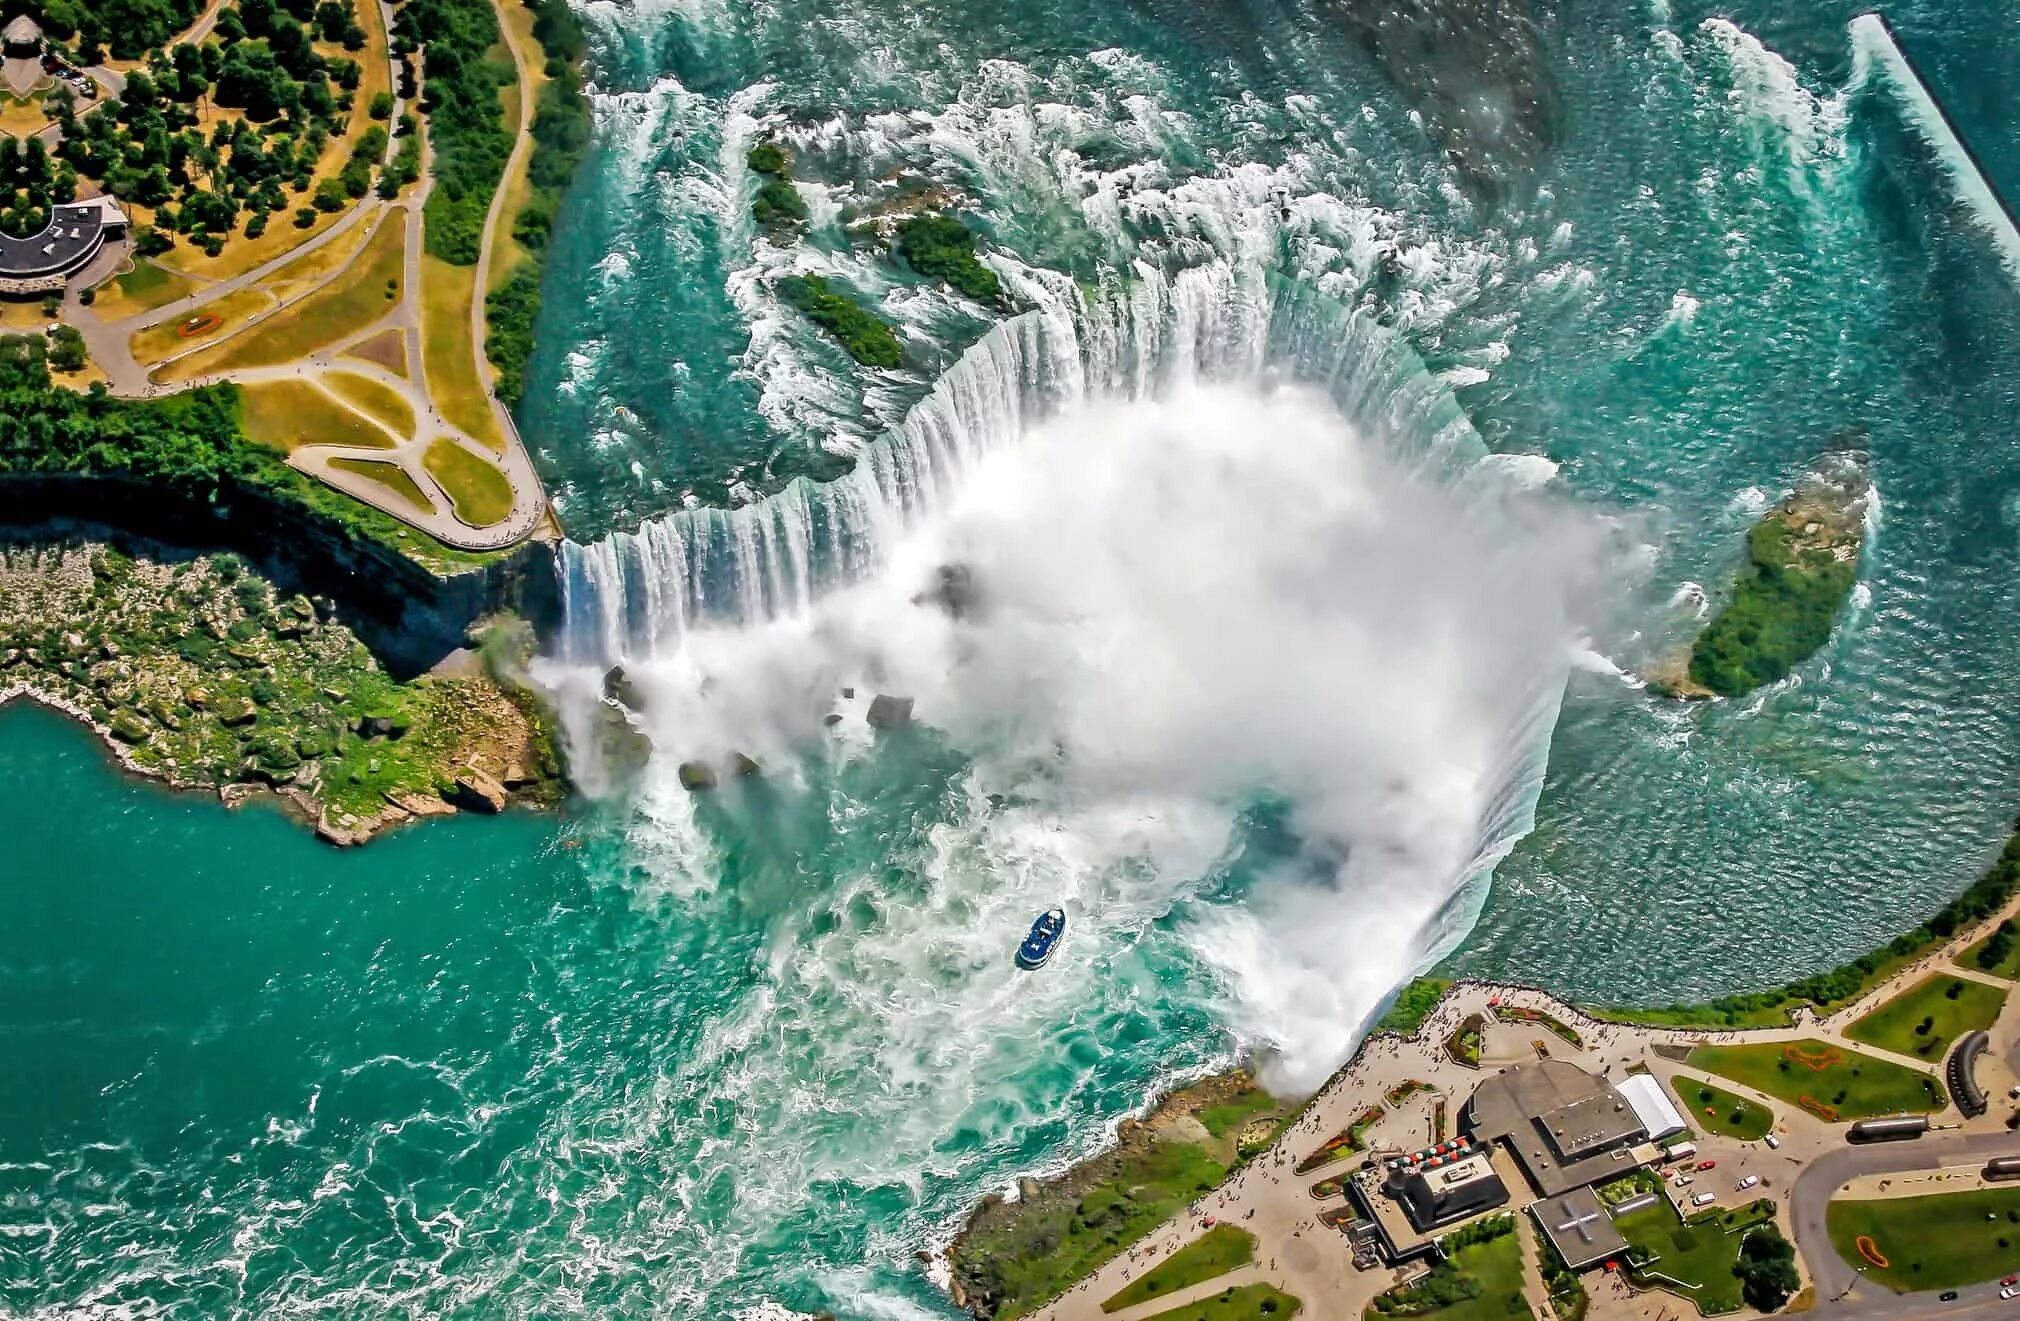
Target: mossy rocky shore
point(199, 672)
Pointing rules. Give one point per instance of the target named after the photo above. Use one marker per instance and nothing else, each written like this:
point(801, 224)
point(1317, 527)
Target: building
point(76, 233)
point(1444, 1183)
point(1650, 1101)
point(22, 38)
point(1565, 1127)
point(1579, 1228)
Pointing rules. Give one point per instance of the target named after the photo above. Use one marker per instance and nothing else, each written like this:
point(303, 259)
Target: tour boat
point(1044, 938)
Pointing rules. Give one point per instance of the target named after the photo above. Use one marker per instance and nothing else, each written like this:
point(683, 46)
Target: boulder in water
point(744, 766)
point(696, 776)
point(622, 688)
point(887, 712)
point(478, 791)
point(953, 590)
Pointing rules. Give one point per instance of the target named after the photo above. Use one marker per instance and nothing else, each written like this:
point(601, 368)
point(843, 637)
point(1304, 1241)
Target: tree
point(1767, 1269)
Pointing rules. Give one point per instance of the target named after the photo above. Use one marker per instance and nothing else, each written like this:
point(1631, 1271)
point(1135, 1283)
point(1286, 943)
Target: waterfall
point(636, 594)
point(1874, 45)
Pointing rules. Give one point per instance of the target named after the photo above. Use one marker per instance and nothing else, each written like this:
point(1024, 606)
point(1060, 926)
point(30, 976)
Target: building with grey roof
point(1578, 1226)
point(1564, 1126)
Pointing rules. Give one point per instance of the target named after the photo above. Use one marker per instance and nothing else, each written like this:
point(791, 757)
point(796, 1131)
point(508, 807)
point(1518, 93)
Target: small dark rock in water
point(696, 776)
point(848, 693)
point(888, 712)
point(745, 766)
point(620, 687)
point(832, 718)
point(953, 590)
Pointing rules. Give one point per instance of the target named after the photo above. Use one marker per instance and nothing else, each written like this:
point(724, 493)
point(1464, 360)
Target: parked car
point(1684, 1181)
point(1947, 1296)
point(1702, 1199)
point(2011, 1279)
point(2008, 1291)
point(1706, 1164)
point(1746, 1183)
point(1774, 1143)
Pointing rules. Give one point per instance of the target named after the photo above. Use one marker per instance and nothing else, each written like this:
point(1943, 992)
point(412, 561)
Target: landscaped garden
point(1220, 1250)
point(1924, 1019)
point(1251, 1302)
point(1466, 1041)
point(1721, 1113)
point(1480, 1281)
point(1518, 1014)
point(1696, 1258)
point(1830, 1082)
point(1941, 1241)
point(1343, 1144)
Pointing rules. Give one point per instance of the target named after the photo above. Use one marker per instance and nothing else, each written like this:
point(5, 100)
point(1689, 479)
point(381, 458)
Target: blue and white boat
point(1044, 938)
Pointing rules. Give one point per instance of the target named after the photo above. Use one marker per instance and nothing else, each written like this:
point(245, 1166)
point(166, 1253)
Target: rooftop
point(1578, 1227)
point(1567, 1127)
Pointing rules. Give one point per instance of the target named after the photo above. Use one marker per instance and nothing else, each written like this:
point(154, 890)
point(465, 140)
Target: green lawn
point(1700, 1255)
point(1230, 1115)
point(1983, 957)
point(1497, 1267)
point(391, 476)
point(1935, 1242)
point(1413, 1005)
point(474, 485)
point(1830, 1082)
point(1712, 1109)
point(1251, 1302)
point(1924, 1019)
point(1221, 1250)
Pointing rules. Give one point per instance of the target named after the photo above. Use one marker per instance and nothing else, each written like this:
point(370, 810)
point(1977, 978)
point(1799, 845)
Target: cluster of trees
point(1447, 1285)
point(1767, 1269)
point(129, 28)
point(466, 122)
point(868, 337)
point(149, 147)
point(1781, 613)
point(778, 203)
point(940, 247)
point(188, 445)
point(29, 185)
point(561, 130)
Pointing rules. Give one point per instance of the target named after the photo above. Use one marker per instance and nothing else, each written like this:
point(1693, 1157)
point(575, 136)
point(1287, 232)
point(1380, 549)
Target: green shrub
point(942, 248)
point(868, 339)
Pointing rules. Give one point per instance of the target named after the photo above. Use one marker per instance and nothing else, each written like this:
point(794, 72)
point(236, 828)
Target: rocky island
point(1802, 560)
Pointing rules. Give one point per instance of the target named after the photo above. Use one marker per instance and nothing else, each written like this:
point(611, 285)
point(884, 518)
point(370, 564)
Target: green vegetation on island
point(1924, 1019)
point(778, 204)
point(940, 247)
point(1480, 1279)
point(1942, 1241)
point(1220, 1250)
point(867, 337)
point(1014, 1256)
point(561, 129)
point(1830, 1082)
point(1802, 560)
point(201, 672)
point(1826, 991)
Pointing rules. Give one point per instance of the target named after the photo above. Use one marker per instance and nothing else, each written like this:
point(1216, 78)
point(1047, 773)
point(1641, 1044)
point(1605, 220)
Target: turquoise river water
point(1270, 577)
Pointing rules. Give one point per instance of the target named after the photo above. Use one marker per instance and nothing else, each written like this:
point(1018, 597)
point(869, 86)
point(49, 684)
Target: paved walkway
point(1303, 1257)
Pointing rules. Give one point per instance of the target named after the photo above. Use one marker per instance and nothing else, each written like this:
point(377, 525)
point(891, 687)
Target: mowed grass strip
point(1220, 1250)
point(391, 476)
point(357, 298)
point(1712, 1109)
point(448, 356)
point(385, 404)
point(1942, 1241)
point(290, 414)
point(1251, 1302)
point(476, 488)
point(1997, 954)
point(141, 289)
point(1828, 1081)
point(1702, 1255)
point(210, 322)
point(1924, 1019)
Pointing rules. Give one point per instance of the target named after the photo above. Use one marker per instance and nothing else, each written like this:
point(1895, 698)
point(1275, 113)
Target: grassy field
point(1229, 1116)
point(310, 269)
point(217, 318)
point(1831, 1083)
point(1413, 1004)
point(1924, 1019)
point(1496, 1266)
point(386, 349)
point(447, 355)
point(1936, 1242)
point(385, 404)
point(355, 300)
point(1251, 1302)
point(290, 414)
point(141, 289)
point(389, 475)
point(1714, 1110)
point(1220, 1250)
point(478, 490)
point(1701, 1255)
point(2007, 966)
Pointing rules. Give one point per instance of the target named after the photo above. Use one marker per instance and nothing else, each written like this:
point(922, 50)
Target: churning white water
point(1146, 617)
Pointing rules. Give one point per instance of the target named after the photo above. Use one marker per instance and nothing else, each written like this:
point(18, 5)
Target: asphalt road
point(1834, 1276)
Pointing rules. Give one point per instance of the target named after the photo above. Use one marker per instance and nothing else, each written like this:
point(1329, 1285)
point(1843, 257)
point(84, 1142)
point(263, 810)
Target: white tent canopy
point(1651, 1105)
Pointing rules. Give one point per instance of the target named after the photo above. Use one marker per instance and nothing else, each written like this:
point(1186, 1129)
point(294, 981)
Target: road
point(1834, 1276)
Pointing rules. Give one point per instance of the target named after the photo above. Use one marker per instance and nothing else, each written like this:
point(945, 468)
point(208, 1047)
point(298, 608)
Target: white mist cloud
point(1181, 607)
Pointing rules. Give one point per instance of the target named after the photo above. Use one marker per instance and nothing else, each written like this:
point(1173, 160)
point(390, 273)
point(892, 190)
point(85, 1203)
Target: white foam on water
point(1768, 93)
